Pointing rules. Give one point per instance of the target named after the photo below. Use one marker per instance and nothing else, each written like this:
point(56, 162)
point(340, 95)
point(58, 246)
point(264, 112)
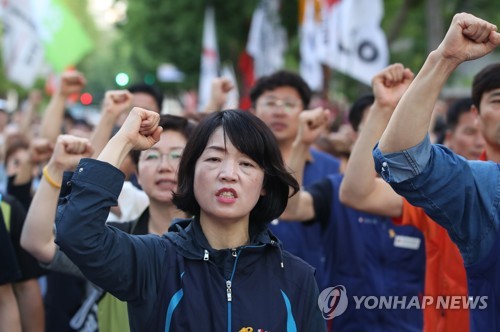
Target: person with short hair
point(158, 176)
point(460, 195)
point(219, 270)
point(365, 252)
point(485, 89)
point(463, 134)
point(278, 100)
point(146, 96)
point(363, 190)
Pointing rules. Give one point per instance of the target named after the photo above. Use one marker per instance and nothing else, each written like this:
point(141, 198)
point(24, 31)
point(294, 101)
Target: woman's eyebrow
point(215, 147)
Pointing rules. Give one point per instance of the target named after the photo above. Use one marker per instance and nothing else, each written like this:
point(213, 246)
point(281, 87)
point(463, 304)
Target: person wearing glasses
point(219, 270)
point(278, 100)
point(157, 174)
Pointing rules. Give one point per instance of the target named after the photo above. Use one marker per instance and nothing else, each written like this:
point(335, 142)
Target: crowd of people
point(236, 220)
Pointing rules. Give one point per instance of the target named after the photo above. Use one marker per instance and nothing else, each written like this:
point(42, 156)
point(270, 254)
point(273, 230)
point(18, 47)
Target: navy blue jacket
point(302, 239)
point(177, 282)
point(362, 255)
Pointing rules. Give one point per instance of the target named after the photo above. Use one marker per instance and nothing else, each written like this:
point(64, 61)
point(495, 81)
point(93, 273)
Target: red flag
point(245, 66)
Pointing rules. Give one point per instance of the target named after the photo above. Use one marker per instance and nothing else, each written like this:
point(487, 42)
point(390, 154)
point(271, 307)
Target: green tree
point(171, 31)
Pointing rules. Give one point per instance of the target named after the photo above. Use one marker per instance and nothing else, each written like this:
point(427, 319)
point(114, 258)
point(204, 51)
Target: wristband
point(49, 179)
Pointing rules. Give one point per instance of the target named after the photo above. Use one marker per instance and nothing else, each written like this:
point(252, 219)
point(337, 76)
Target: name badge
point(407, 242)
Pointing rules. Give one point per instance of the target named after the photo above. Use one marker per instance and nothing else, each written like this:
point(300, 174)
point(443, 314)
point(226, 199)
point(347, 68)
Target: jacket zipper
point(228, 290)
point(229, 283)
point(229, 293)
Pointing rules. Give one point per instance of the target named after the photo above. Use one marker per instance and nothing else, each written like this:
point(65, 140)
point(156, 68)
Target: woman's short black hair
point(170, 122)
point(252, 137)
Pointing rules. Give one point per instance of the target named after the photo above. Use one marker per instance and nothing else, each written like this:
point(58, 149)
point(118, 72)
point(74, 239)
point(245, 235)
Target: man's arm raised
point(360, 188)
point(301, 206)
point(467, 38)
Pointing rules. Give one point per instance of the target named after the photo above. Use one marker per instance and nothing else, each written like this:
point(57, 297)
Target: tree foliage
point(159, 31)
point(171, 32)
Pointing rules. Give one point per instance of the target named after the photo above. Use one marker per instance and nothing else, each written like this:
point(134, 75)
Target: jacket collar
point(187, 235)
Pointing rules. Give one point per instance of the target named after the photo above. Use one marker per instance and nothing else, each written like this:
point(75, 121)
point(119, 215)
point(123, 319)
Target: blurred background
point(337, 45)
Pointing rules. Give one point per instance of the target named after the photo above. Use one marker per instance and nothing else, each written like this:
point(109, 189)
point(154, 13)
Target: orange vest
point(444, 271)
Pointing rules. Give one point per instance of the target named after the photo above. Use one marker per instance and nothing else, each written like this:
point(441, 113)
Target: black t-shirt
point(22, 192)
point(9, 269)
point(322, 194)
point(28, 264)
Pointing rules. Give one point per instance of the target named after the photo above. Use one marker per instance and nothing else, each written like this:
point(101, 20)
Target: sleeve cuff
point(61, 263)
point(400, 166)
point(101, 174)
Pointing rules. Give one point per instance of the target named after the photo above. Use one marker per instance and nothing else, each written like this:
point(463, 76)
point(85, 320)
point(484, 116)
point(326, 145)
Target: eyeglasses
point(273, 104)
point(154, 156)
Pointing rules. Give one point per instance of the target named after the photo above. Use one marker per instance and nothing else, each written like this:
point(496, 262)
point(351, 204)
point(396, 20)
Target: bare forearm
point(31, 309)
point(53, 118)
point(410, 122)
point(212, 107)
point(297, 160)
point(359, 178)
point(115, 151)
point(37, 236)
point(300, 208)
point(26, 121)
point(9, 311)
point(360, 188)
point(298, 205)
point(102, 133)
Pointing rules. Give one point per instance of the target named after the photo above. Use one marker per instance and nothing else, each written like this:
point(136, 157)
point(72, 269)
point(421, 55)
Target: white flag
point(267, 38)
point(356, 43)
point(23, 52)
point(311, 48)
point(233, 97)
point(209, 58)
